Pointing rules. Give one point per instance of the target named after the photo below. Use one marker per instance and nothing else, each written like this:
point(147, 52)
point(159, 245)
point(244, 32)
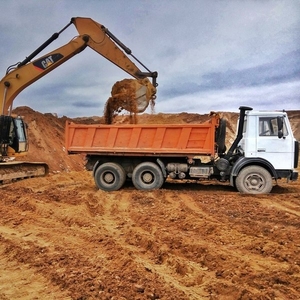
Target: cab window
point(268, 126)
point(20, 130)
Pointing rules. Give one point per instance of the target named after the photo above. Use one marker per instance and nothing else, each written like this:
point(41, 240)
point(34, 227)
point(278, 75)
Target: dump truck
point(263, 151)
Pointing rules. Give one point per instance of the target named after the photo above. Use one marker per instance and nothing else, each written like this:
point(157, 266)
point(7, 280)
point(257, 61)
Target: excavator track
point(17, 170)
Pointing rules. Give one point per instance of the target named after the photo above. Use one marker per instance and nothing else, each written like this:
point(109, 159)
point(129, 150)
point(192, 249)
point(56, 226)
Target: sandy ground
point(61, 238)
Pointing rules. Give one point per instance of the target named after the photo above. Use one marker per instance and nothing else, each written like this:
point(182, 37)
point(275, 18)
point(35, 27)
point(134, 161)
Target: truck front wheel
point(254, 180)
point(110, 177)
point(147, 176)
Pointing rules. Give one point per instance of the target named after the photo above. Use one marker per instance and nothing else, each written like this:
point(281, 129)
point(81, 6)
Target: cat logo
point(45, 62)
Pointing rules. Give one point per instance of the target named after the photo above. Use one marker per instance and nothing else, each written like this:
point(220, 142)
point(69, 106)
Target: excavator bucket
point(141, 100)
point(132, 95)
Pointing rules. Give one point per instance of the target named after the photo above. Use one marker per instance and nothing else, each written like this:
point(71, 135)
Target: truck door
point(274, 147)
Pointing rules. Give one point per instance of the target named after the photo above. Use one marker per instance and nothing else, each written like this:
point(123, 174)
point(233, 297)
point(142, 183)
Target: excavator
point(135, 95)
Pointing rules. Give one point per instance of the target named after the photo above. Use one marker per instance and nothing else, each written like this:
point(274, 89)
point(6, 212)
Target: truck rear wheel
point(147, 176)
point(254, 180)
point(110, 177)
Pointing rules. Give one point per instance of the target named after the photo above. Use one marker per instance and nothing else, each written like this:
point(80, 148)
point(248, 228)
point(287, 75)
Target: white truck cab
point(268, 150)
point(263, 137)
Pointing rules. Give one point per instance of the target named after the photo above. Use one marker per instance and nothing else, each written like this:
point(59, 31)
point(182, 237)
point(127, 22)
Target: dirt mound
point(46, 141)
point(294, 117)
point(46, 133)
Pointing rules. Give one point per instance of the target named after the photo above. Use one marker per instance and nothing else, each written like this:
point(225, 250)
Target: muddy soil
point(61, 238)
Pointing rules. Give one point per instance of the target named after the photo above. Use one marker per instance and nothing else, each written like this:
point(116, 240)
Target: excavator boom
point(91, 34)
point(104, 42)
point(135, 94)
point(22, 76)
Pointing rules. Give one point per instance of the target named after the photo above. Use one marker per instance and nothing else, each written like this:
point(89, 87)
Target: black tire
point(254, 180)
point(147, 176)
point(110, 176)
point(220, 136)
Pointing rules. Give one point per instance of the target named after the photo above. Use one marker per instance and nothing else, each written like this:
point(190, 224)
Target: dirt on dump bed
point(61, 238)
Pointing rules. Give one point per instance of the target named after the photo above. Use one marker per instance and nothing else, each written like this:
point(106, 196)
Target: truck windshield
point(268, 126)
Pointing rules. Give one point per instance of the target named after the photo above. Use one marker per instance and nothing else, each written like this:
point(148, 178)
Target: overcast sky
point(210, 55)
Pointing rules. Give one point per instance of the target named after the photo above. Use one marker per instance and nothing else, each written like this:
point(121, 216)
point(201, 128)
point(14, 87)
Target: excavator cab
point(13, 136)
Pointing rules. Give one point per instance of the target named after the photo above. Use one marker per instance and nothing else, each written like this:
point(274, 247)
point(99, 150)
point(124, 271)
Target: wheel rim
point(108, 177)
point(147, 177)
point(255, 182)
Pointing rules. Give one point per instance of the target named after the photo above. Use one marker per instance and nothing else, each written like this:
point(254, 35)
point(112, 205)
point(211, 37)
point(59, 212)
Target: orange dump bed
point(143, 139)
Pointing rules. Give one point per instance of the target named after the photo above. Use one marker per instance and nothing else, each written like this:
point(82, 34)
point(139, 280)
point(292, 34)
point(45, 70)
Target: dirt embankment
point(61, 238)
point(46, 133)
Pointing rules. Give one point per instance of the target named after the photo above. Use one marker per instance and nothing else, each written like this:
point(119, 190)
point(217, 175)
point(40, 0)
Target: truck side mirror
point(280, 127)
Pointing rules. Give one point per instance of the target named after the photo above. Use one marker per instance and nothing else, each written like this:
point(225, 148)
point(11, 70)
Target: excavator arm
point(104, 42)
point(91, 34)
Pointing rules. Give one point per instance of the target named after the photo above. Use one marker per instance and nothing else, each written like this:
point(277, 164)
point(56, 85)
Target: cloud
point(286, 68)
point(210, 55)
point(265, 97)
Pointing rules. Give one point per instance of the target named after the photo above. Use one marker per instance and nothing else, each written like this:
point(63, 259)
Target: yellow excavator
point(13, 129)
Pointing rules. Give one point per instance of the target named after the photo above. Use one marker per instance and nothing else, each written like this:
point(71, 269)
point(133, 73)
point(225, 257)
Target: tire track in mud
point(289, 207)
point(241, 241)
point(259, 243)
point(67, 233)
point(177, 243)
point(179, 265)
point(258, 262)
point(144, 247)
point(40, 255)
point(24, 283)
point(75, 223)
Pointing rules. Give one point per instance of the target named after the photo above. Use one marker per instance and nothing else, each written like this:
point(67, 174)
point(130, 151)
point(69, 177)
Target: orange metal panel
point(164, 139)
